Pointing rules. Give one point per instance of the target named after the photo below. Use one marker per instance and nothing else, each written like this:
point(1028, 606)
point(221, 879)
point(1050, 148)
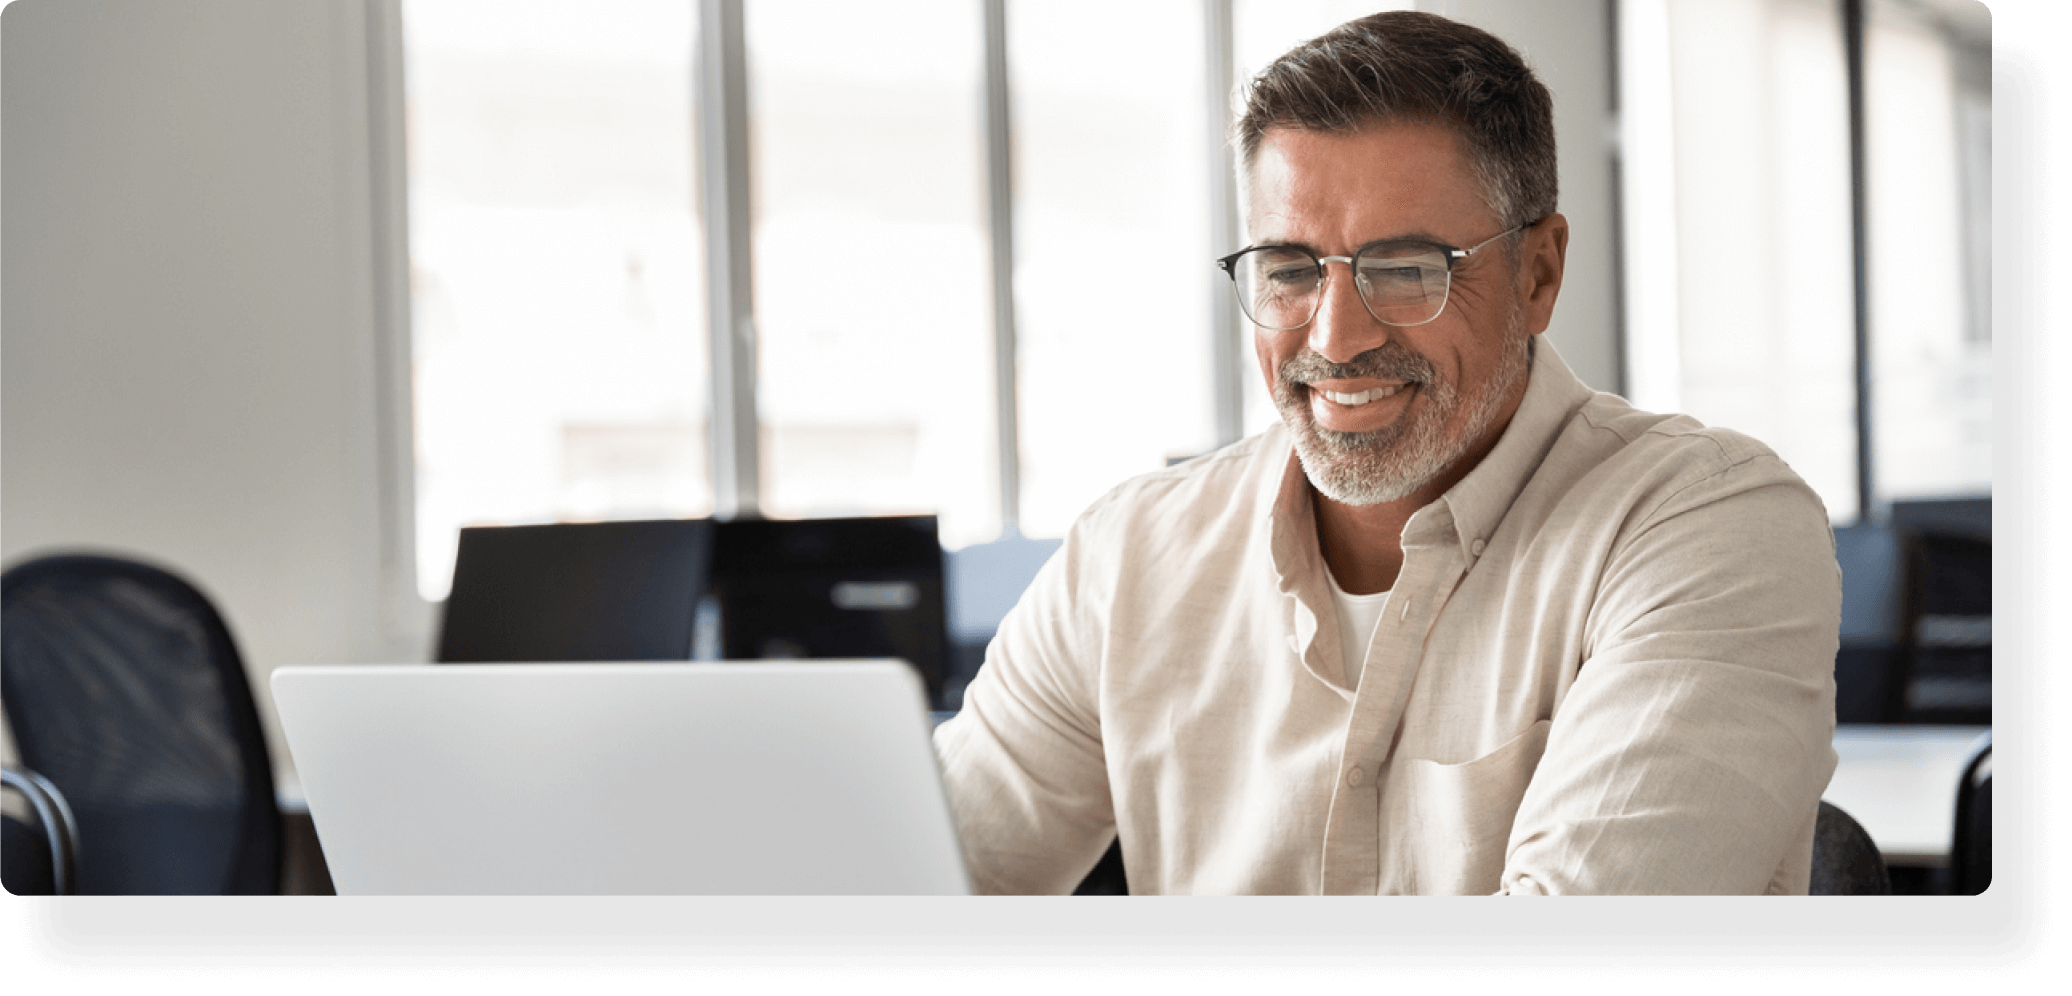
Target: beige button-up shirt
point(1606, 667)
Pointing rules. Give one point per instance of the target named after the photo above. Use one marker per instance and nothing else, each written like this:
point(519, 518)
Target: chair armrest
point(58, 825)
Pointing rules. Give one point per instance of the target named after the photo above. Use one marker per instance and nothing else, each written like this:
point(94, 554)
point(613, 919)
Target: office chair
point(1846, 861)
point(123, 688)
point(1107, 877)
point(1971, 843)
point(38, 860)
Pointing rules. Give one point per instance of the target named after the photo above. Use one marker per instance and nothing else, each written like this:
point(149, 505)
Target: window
point(1928, 99)
point(1757, 218)
point(872, 300)
point(562, 368)
point(1110, 135)
point(556, 273)
point(1741, 304)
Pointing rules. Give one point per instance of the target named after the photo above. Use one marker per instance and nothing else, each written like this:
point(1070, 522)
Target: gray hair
point(1406, 66)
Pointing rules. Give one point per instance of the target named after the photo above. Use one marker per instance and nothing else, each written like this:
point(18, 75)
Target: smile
point(1362, 397)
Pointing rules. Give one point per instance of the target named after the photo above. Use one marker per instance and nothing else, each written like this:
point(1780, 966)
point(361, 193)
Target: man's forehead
point(1303, 177)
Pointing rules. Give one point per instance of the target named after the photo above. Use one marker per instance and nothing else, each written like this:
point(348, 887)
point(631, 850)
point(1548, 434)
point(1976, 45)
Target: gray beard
point(1392, 463)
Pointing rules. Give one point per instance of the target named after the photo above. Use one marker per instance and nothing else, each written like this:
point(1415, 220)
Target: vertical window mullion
point(722, 96)
point(1000, 235)
point(1859, 211)
point(1227, 350)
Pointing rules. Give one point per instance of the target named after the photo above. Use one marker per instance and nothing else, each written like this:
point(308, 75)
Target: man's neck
point(1363, 544)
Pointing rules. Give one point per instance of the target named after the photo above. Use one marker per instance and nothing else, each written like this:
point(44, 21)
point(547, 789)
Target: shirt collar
point(1552, 394)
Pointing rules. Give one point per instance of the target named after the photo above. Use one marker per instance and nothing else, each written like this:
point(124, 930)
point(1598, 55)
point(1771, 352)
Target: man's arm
point(1022, 761)
point(1690, 753)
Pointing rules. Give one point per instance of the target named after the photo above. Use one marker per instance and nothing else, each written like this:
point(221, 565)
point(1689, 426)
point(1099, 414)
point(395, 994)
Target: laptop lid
point(779, 778)
point(588, 591)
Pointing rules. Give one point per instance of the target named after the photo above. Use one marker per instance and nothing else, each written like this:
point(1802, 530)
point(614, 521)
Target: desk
point(1900, 782)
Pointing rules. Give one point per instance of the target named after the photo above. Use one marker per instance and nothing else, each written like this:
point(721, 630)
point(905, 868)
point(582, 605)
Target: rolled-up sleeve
point(1022, 761)
point(1690, 752)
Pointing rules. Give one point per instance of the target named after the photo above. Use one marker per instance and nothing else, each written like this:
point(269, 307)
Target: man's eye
point(1290, 276)
point(1404, 273)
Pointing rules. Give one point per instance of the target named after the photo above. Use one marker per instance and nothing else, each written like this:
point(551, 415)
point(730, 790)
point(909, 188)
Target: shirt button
point(1477, 547)
point(1357, 778)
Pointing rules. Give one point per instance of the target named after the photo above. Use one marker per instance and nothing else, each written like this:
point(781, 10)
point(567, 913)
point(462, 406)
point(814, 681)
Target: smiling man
point(1458, 624)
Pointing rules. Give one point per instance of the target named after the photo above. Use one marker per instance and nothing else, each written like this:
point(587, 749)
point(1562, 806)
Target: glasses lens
point(1277, 286)
point(1403, 285)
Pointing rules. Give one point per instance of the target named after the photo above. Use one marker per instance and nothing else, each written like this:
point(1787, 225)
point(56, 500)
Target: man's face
point(1382, 412)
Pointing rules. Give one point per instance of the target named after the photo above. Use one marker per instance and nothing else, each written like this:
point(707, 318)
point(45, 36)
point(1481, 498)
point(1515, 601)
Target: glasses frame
point(1229, 266)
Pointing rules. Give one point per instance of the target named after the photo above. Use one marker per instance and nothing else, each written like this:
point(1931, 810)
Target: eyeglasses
point(1402, 282)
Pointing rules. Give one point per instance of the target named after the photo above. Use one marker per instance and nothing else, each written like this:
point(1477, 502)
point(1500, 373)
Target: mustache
point(1389, 361)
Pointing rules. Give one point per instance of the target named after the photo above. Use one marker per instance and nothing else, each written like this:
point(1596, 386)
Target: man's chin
point(1354, 468)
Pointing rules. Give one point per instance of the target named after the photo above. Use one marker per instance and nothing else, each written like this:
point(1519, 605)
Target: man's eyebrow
point(1419, 236)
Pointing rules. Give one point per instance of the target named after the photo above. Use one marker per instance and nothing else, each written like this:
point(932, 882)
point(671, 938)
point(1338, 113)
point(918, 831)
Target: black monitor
point(821, 588)
point(590, 591)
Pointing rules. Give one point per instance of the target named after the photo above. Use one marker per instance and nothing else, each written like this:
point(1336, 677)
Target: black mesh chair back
point(124, 689)
point(1846, 861)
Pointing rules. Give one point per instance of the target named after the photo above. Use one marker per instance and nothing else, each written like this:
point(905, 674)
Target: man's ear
point(1539, 273)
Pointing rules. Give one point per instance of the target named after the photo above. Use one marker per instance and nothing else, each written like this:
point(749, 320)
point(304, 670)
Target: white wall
point(190, 326)
point(1568, 43)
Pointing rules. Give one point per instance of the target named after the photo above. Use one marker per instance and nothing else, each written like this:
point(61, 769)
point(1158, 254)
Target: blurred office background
point(296, 290)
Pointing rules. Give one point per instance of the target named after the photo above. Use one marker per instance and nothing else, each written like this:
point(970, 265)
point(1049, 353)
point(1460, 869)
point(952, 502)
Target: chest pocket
point(1445, 826)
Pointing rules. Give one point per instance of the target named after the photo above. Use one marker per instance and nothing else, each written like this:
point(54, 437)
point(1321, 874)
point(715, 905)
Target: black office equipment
point(833, 588)
point(1917, 615)
point(1869, 665)
point(589, 591)
point(125, 690)
point(1947, 630)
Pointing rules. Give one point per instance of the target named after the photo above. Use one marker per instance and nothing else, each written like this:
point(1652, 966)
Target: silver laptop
point(765, 778)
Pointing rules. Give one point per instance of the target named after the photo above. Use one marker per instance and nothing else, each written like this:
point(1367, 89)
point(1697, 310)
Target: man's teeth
point(1363, 397)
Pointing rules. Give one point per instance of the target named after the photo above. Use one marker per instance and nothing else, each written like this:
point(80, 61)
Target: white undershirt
point(1358, 615)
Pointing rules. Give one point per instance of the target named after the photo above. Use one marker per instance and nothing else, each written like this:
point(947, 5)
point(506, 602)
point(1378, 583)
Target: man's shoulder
point(1650, 434)
point(1206, 507)
point(1613, 441)
point(1241, 472)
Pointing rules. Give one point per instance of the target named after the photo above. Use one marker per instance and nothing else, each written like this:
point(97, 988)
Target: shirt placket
point(1432, 564)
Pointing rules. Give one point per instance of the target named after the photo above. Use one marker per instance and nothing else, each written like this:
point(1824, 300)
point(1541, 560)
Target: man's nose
point(1343, 327)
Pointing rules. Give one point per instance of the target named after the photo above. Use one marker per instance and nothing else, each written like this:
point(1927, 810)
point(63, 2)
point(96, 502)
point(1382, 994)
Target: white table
point(1900, 782)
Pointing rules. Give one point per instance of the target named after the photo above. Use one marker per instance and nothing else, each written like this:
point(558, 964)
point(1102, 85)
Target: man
point(1458, 624)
